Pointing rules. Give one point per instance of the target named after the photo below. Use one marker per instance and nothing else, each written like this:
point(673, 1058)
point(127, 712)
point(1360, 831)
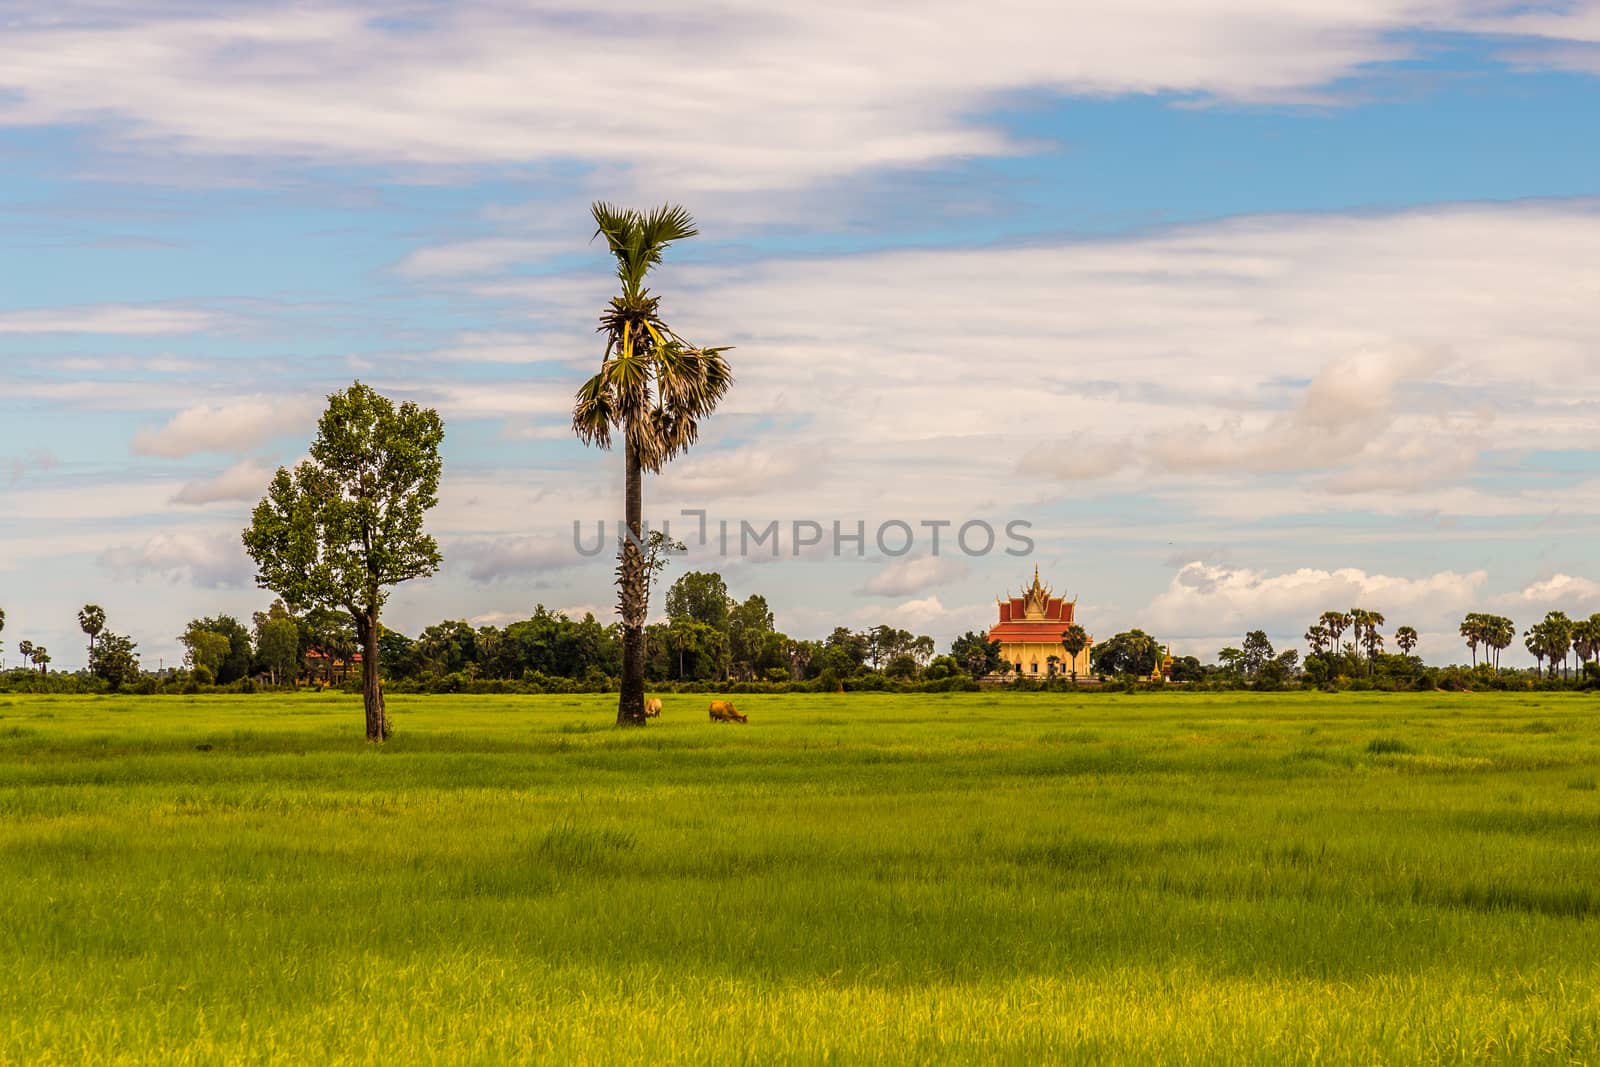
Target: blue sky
point(1250, 313)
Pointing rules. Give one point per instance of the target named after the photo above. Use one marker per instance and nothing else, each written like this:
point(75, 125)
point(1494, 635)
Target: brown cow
point(652, 707)
point(724, 711)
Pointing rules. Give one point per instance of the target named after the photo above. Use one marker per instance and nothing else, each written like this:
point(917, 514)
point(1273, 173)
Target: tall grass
point(950, 878)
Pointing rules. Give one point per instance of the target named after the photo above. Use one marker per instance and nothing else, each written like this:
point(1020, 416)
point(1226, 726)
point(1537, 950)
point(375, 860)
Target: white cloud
point(105, 318)
point(925, 615)
point(743, 472)
point(492, 559)
point(229, 426)
point(1211, 598)
point(1563, 592)
point(906, 576)
point(505, 346)
point(245, 480)
point(208, 561)
point(478, 257)
point(779, 92)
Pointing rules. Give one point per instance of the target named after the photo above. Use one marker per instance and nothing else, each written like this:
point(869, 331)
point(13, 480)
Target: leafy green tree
point(1133, 652)
point(701, 650)
point(91, 620)
point(977, 655)
point(207, 648)
point(848, 650)
point(278, 648)
point(1277, 670)
point(41, 659)
point(236, 664)
point(1231, 661)
point(347, 525)
point(448, 647)
point(750, 627)
point(114, 658)
point(1187, 669)
point(328, 636)
point(1073, 641)
point(901, 665)
point(1406, 639)
point(1257, 651)
point(702, 596)
point(656, 388)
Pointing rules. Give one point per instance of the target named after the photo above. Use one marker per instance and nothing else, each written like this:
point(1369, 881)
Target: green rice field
point(941, 879)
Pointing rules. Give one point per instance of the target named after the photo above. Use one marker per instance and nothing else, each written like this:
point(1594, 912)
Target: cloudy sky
point(1250, 309)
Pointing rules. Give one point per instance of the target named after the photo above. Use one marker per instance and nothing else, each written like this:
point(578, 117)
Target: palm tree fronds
point(594, 413)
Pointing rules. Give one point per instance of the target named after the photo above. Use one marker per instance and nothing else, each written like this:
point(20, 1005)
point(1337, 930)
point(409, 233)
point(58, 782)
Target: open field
point(953, 878)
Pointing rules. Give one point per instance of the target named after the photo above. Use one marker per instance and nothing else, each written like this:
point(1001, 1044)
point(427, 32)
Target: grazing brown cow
point(724, 711)
point(652, 707)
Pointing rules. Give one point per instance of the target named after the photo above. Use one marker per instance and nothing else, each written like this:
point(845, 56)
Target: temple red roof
point(1035, 616)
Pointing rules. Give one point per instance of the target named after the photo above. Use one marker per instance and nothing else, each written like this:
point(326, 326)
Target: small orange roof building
point(1030, 629)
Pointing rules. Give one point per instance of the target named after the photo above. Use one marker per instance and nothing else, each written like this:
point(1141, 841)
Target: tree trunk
point(371, 681)
point(634, 593)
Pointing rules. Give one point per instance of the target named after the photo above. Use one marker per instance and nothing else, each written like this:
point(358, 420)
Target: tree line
point(333, 536)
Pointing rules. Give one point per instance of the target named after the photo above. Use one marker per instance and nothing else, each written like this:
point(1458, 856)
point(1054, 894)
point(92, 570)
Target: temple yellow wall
point(1029, 652)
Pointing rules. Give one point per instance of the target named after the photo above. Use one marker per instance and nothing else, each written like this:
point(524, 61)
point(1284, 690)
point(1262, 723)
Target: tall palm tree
point(1074, 640)
point(1501, 632)
point(1473, 630)
point(1534, 640)
point(1373, 640)
point(1317, 637)
point(91, 620)
point(1358, 625)
point(1585, 639)
point(1406, 638)
point(41, 658)
point(653, 386)
point(1558, 639)
point(1336, 623)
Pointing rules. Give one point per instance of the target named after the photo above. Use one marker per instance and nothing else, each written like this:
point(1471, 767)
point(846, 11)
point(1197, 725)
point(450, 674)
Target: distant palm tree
point(1074, 639)
point(1336, 623)
point(1318, 638)
point(656, 388)
point(26, 648)
point(1500, 631)
point(1586, 639)
point(1373, 640)
point(41, 659)
point(1406, 638)
point(1475, 631)
point(1534, 640)
point(91, 620)
point(1558, 638)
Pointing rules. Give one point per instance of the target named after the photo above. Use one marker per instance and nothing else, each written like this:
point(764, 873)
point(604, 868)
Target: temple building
point(1030, 629)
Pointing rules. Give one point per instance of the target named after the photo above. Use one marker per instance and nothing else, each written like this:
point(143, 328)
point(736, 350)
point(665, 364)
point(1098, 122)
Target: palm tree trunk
point(371, 680)
point(634, 599)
